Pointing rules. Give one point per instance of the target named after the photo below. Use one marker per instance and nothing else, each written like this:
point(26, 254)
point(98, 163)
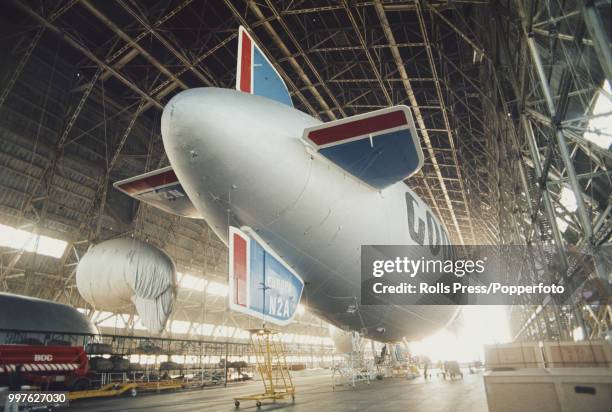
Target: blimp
point(294, 199)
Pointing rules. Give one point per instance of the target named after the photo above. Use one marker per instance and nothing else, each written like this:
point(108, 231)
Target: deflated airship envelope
point(117, 273)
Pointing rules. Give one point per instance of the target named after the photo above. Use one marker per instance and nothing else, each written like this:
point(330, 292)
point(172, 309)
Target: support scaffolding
point(546, 90)
point(353, 367)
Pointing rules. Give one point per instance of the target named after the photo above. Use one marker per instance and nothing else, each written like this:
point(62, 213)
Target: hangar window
point(179, 326)
point(578, 334)
point(178, 358)
point(215, 288)
point(138, 325)
point(115, 321)
point(192, 359)
point(204, 329)
point(214, 360)
point(30, 242)
point(241, 334)
point(224, 331)
point(327, 341)
point(300, 309)
point(599, 130)
point(191, 282)
point(568, 199)
point(148, 359)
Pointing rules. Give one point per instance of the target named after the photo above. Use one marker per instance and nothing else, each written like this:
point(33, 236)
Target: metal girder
point(49, 171)
point(296, 66)
point(22, 62)
point(154, 26)
point(77, 45)
point(178, 54)
point(91, 224)
point(548, 207)
point(476, 48)
point(26, 56)
point(560, 36)
point(366, 51)
point(108, 22)
point(600, 38)
point(444, 114)
point(559, 134)
point(287, 79)
point(416, 109)
point(530, 77)
point(351, 48)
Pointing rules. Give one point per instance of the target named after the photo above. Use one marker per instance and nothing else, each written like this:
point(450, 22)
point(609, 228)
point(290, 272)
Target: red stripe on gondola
point(357, 128)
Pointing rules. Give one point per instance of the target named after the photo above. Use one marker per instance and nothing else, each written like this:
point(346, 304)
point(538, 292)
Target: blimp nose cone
point(229, 148)
point(216, 128)
point(199, 139)
point(198, 126)
point(189, 111)
point(213, 123)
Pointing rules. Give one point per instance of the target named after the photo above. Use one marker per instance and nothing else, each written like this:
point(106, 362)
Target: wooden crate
point(549, 390)
point(513, 355)
point(586, 354)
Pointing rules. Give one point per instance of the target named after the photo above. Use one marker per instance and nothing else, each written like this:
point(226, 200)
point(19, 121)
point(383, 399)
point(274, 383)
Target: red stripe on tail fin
point(355, 128)
point(240, 270)
point(135, 187)
point(246, 63)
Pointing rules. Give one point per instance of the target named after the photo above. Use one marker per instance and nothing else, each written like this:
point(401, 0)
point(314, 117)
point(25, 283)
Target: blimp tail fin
point(261, 283)
point(256, 74)
point(161, 189)
point(378, 148)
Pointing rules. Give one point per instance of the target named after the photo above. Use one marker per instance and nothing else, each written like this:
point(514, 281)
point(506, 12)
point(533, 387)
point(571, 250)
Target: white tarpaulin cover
point(117, 273)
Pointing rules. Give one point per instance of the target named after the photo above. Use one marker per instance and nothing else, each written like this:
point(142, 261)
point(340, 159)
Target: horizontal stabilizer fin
point(161, 189)
point(256, 74)
point(379, 148)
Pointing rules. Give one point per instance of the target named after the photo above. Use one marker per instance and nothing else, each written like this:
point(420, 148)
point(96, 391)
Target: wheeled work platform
point(272, 366)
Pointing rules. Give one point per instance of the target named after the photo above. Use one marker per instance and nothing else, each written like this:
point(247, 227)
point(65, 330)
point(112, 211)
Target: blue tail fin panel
point(379, 148)
point(256, 74)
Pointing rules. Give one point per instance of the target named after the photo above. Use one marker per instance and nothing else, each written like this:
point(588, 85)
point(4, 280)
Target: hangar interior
point(509, 99)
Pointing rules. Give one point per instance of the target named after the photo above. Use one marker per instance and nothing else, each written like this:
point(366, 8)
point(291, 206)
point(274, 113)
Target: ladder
point(271, 362)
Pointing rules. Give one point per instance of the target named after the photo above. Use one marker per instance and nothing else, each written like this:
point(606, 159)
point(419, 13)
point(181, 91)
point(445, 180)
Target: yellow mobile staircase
point(272, 366)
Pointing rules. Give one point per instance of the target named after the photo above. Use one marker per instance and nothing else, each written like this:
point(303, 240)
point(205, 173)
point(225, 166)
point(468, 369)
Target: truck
point(46, 367)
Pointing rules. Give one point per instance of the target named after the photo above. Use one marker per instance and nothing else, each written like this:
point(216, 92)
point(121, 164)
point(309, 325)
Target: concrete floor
point(314, 392)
